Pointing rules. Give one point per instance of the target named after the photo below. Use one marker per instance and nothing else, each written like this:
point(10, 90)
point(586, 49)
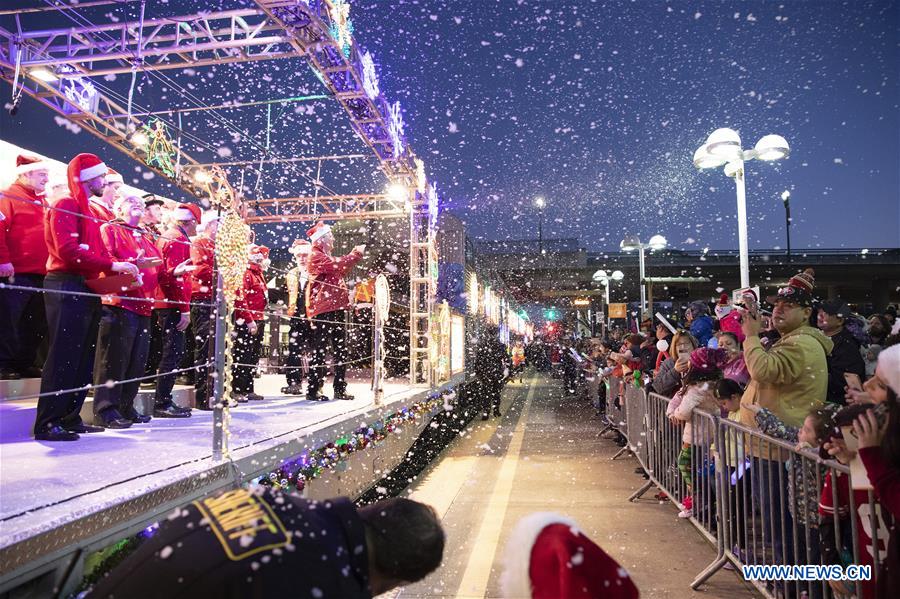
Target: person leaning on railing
point(879, 451)
point(668, 380)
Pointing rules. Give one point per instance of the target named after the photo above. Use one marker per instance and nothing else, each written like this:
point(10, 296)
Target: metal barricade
point(757, 497)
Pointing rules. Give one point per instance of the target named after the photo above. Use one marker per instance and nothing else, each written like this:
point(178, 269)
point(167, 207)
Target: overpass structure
point(564, 271)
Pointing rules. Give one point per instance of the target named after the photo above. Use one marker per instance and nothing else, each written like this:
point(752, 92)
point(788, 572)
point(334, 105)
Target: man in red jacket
point(124, 338)
point(327, 299)
point(77, 255)
point(249, 319)
point(172, 306)
point(23, 262)
point(203, 290)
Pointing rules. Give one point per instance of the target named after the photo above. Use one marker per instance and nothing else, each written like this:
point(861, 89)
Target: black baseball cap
point(151, 200)
point(836, 307)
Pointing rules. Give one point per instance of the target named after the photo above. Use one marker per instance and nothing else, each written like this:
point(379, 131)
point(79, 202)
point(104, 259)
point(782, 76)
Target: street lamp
point(723, 147)
point(539, 202)
point(786, 198)
point(632, 243)
point(601, 277)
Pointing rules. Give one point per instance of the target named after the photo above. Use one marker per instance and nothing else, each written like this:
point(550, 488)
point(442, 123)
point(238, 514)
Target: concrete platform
point(543, 455)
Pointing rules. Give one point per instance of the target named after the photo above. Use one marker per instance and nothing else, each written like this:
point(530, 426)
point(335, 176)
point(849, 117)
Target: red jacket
point(326, 290)
point(174, 247)
point(74, 241)
point(123, 243)
point(22, 231)
point(100, 211)
point(203, 254)
point(252, 299)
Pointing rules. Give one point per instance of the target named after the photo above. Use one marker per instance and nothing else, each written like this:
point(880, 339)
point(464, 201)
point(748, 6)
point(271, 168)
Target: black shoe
point(241, 398)
point(170, 411)
point(55, 433)
point(84, 428)
point(32, 372)
point(344, 395)
point(497, 412)
point(292, 390)
point(8, 374)
point(255, 397)
point(485, 416)
point(112, 419)
point(317, 397)
point(135, 418)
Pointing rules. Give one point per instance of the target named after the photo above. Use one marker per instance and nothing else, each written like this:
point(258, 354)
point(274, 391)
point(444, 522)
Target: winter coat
point(22, 241)
point(203, 257)
point(698, 397)
point(123, 244)
point(175, 247)
point(702, 329)
point(886, 480)
point(246, 544)
point(667, 380)
point(491, 360)
point(326, 290)
point(790, 379)
point(845, 357)
point(253, 297)
point(802, 492)
point(73, 241)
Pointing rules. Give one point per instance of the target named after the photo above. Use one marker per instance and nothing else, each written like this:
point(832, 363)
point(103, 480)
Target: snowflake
point(369, 75)
point(395, 128)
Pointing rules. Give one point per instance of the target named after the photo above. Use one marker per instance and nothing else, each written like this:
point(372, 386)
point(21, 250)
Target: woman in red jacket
point(249, 320)
point(124, 338)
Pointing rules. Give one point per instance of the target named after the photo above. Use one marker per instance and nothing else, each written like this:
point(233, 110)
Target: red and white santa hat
point(185, 212)
point(113, 176)
point(317, 232)
point(27, 164)
point(83, 167)
point(548, 557)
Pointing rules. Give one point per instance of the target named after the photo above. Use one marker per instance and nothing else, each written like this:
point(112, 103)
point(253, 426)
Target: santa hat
point(548, 557)
point(83, 167)
point(187, 212)
point(113, 176)
point(300, 246)
point(26, 164)
point(724, 306)
point(723, 300)
point(318, 231)
point(889, 364)
point(261, 250)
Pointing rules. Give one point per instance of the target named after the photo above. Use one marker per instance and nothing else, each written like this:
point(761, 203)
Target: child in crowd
point(728, 394)
point(695, 394)
point(804, 474)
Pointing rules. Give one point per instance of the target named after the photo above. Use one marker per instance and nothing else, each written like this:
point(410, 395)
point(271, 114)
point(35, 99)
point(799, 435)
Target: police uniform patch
point(244, 524)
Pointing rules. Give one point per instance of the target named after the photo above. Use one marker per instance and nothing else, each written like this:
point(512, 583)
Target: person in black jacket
point(265, 543)
point(492, 366)
point(845, 356)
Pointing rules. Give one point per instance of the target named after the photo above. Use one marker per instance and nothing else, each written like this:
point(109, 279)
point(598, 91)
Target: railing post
point(218, 397)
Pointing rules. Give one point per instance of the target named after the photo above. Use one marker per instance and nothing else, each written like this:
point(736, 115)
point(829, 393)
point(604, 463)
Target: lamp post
point(786, 198)
point(631, 243)
point(723, 147)
point(601, 277)
point(539, 202)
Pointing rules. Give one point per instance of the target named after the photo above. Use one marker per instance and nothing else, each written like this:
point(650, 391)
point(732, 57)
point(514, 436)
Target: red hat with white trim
point(547, 556)
point(317, 232)
point(113, 176)
point(185, 212)
point(27, 164)
point(300, 246)
point(83, 167)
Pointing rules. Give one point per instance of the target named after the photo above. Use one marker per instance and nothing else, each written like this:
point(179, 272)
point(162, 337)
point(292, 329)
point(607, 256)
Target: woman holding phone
point(668, 381)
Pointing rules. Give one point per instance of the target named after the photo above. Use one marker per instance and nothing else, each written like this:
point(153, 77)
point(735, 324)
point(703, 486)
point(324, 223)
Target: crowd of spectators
point(797, 373)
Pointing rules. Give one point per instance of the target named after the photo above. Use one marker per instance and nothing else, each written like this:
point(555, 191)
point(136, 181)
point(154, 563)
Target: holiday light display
point(369, 75)
point(160, 150)
point(395, 128)
point(341, 27)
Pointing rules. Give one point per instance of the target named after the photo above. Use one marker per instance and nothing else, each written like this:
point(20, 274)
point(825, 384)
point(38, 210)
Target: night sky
point(596, 106)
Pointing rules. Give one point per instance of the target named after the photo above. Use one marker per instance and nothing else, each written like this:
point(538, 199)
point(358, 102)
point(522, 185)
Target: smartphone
point(684, 355)
point(853, 381)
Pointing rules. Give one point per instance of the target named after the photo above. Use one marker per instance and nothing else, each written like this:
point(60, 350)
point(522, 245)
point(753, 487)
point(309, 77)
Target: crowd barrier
point(754, 496)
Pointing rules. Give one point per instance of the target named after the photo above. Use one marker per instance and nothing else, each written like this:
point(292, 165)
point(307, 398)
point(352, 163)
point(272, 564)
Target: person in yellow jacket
point(789, 379)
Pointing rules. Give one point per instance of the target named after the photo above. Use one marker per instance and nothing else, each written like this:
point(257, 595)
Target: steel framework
point(275, 29)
